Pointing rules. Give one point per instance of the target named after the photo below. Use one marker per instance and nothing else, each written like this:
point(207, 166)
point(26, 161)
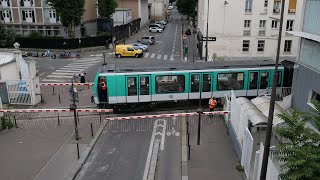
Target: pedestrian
point(212, 104)
point(82, 77)
point(78, 54)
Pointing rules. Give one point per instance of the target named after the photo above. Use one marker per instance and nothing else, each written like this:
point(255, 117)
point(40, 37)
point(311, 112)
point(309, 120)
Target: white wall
point(226, 23)
point(118, 17)
point(143, 11)
point(9, 71)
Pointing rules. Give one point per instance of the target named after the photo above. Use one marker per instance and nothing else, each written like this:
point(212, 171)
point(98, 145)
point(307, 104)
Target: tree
point(9, 36)
point(70, 12)
point(186, 7)
point(301, 155)
point(107, 7)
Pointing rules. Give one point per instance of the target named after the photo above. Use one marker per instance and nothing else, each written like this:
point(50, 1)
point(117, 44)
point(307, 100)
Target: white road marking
point(159, 56)
point(76, 69)
point(171, 58)
point(165, 57)
point(146, 55)
point(42, 73)
point(69, 71)
point(60, 73)
point(84, 63)
point(61, 77)
point(152, 56)
point(51, 80)
point(52, 68)
point(76, 66)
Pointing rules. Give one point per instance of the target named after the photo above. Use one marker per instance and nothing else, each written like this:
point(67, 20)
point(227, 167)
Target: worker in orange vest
point(103, 86)
point(212, 104)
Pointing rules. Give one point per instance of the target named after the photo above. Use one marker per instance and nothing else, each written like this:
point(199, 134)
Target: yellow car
point(128, 51)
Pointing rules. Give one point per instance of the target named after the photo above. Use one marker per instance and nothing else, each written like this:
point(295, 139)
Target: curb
point(84, 156)
point(184, 150)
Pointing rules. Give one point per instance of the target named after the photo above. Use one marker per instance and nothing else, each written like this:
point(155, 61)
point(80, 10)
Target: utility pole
point(266, 151)
point(207, 32)
point(199, 110)
point(73, 107)
point(104, 58)
point(123, 25)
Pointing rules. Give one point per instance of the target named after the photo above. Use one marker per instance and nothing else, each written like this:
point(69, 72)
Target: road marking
point(42, 73)
point(61, 77)
point(76, 69)
point(146, 55)
point(52, 68)
point(51, 80)
point(60, 73)
point(76, 66)
point(85, 63)
point(165, 57)
point(171, 58)
point(152, 56)
point(69, 71)
point(159, 56)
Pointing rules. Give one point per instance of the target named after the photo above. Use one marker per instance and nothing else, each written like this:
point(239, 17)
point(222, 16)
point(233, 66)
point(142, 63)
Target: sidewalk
point(214, 158)
point(191, 43)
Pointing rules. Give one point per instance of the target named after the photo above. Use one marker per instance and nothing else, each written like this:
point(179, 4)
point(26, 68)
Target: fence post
point(53, 93)
point(59, 98)
point(91, 129)
point(100, 117)
point(58, 119)
point(78, 150)
point(15, 121)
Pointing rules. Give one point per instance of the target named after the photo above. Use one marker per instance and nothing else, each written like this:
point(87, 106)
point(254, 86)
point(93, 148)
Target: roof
point(263, 104)
point(157, 66)
point(6, 58)
point(306, 35)
point(253, 113)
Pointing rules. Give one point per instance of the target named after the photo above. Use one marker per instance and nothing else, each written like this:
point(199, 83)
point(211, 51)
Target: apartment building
point(157, 9)
point(306, 78)
point(248, 28)
point(139, 9)
point(26, 16)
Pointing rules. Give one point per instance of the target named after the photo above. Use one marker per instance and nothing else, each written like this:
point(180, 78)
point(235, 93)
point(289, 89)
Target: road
point(166, 49)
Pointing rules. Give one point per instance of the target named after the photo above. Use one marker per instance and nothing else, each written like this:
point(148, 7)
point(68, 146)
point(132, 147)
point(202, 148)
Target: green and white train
point(137, 86)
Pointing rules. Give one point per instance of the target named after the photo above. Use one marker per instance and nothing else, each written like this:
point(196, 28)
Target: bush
point(101, 34)
point(6, 122)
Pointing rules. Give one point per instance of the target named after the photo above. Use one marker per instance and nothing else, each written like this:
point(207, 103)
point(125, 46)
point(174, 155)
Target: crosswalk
point(65, 73)
point(166, 57)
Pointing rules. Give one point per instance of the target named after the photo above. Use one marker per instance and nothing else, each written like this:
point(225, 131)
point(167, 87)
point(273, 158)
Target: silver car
point(147, 40)
point(140, 46)
point(155, 29)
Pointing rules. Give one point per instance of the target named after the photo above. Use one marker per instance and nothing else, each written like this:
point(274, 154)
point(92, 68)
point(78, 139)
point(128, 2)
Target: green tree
point(9, 36)
point(185, 7)
point(70, 12)
point(107, 7)
point(301, 155)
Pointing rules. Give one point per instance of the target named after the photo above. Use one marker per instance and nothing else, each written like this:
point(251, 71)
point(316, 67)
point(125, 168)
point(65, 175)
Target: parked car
point(161, 22)
point(157, 25)
point(155, 29)
point(147, 40)
point(140, 46)
point(127, 50)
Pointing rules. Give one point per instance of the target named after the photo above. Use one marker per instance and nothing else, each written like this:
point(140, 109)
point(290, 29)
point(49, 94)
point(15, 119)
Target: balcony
point(276, 10)
point(262, 33)
point(246, 33)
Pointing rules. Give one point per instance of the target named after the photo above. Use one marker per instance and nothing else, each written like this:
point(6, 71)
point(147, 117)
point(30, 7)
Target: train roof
point(160, 66)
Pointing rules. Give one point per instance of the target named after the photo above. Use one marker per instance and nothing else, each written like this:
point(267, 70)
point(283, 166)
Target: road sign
point(209, 38)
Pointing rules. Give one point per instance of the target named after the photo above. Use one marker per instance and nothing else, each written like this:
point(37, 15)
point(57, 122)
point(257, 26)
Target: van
point(128, 51)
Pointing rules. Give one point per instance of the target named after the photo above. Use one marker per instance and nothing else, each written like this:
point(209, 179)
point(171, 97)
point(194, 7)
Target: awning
point(254, 115)
point(305, 35)
point(6, 58)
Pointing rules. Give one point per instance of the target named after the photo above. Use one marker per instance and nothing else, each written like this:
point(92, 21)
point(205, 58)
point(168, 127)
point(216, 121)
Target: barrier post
point(58, 119)
point(78, 150)
point(53, 93)
point(15, 121)
point(91, 129)
point(100, 117)
point(59, 98)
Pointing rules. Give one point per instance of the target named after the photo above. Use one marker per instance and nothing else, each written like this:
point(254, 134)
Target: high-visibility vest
point(212, 103)
point(103, 86)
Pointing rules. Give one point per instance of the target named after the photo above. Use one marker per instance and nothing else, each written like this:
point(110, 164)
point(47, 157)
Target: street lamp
point(266, 151)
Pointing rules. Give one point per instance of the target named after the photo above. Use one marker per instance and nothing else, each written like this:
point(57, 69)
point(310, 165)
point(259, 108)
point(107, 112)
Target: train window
point(170, 84)
point(206, 83)
point(264, 80)
point(279, 79)
point(132, 86)
point(195, 82)
point(253, 80)
point(228, 81)
point(144, 85)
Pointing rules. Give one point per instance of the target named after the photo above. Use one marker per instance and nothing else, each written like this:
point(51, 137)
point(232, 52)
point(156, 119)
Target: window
point(262, 24)
point(132, 86)
point(245, 45)
point(279, 79)
point(195, 82)
point(265, 3)
point(248, 6)
point(274, 24)
point(289, 25)
point(247, 23)
point(276, 6)
point(261, 45)
point(170, 84)
point(144, 85)
point(206, 83)
point(264, 80)
point(292, 6)
point(130, 49)
point(253, 80)
point(228, 81)
point(287, 45)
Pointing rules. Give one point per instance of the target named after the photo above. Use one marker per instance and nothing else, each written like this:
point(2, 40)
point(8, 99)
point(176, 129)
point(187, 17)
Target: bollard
point(53, 93)
point(59, 98)
point(100, 116)
point(78, 117)
point(15, 121)
point(78, 151)
point(58, 119)
point(91, 130)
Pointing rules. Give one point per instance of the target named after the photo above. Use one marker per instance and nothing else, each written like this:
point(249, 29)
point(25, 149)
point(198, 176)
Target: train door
point(264, 82)
point(132, 89)
point(144, 88)
point(198, 80)
point(253, 83)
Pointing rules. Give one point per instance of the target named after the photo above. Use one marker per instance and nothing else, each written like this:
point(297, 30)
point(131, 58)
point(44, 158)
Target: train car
point(139, 85)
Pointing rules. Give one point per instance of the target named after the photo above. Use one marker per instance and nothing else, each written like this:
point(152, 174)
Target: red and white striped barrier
point(167, 115)
point(53, 110)
point(66, 84)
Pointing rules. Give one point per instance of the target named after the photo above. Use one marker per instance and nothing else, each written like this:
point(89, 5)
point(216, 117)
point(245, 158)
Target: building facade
point(158, 9)
point(306, 79)
point(139, 9)
point(26, 16)
point(248, 28)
